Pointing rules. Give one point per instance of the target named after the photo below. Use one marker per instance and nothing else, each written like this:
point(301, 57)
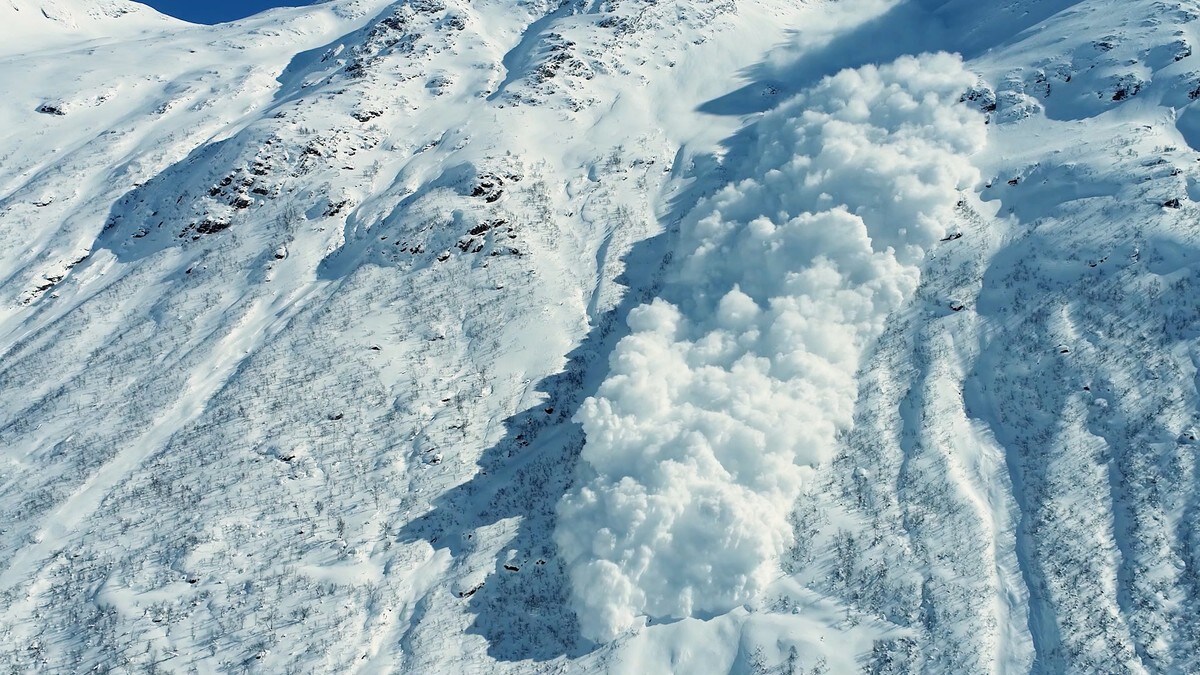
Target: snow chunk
point(718, 398)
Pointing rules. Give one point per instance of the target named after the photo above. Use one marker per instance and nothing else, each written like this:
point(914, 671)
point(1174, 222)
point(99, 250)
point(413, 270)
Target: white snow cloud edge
point(697, 439)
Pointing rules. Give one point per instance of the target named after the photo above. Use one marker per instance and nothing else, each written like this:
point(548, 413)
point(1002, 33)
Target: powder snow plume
point(745, 371)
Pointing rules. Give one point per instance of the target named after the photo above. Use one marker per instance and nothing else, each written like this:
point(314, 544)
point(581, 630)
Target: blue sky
point(216, 11)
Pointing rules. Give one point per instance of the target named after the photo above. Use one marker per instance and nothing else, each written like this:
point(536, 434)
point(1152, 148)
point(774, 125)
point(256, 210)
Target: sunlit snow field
point(521, 336)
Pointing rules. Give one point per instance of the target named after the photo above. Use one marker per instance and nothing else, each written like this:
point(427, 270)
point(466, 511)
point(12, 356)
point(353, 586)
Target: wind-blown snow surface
point(698, 436)
point(298, 314)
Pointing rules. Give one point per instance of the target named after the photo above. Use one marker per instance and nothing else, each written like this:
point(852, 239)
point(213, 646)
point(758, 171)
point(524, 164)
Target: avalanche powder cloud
point(718, 398)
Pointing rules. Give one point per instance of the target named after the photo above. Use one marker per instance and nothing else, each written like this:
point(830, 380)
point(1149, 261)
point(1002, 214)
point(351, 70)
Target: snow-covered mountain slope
point(31, 26)
point(520, 336)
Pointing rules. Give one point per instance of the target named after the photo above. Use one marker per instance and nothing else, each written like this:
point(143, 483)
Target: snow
point(697, 440)
point(299, 315)
point(34, 25)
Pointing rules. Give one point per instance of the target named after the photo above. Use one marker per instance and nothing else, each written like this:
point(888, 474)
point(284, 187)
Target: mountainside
point(529, 336)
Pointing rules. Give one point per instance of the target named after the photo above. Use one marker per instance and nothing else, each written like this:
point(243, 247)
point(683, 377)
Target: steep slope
point(1020, 479)
point(891, 371)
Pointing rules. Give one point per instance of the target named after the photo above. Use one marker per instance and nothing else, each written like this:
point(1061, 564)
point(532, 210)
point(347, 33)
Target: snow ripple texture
point(744, 372)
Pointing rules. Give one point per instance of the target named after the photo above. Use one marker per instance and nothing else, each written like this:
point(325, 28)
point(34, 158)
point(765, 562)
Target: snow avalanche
point(744, 372)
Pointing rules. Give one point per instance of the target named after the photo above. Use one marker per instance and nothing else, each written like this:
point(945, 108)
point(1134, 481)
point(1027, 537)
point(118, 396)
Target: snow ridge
point(745, 372)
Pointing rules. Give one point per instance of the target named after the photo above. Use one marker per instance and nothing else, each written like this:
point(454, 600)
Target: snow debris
point(745, 371)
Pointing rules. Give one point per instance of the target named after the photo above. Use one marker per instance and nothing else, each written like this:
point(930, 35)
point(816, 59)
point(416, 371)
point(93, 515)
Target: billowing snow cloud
point(696, 440)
